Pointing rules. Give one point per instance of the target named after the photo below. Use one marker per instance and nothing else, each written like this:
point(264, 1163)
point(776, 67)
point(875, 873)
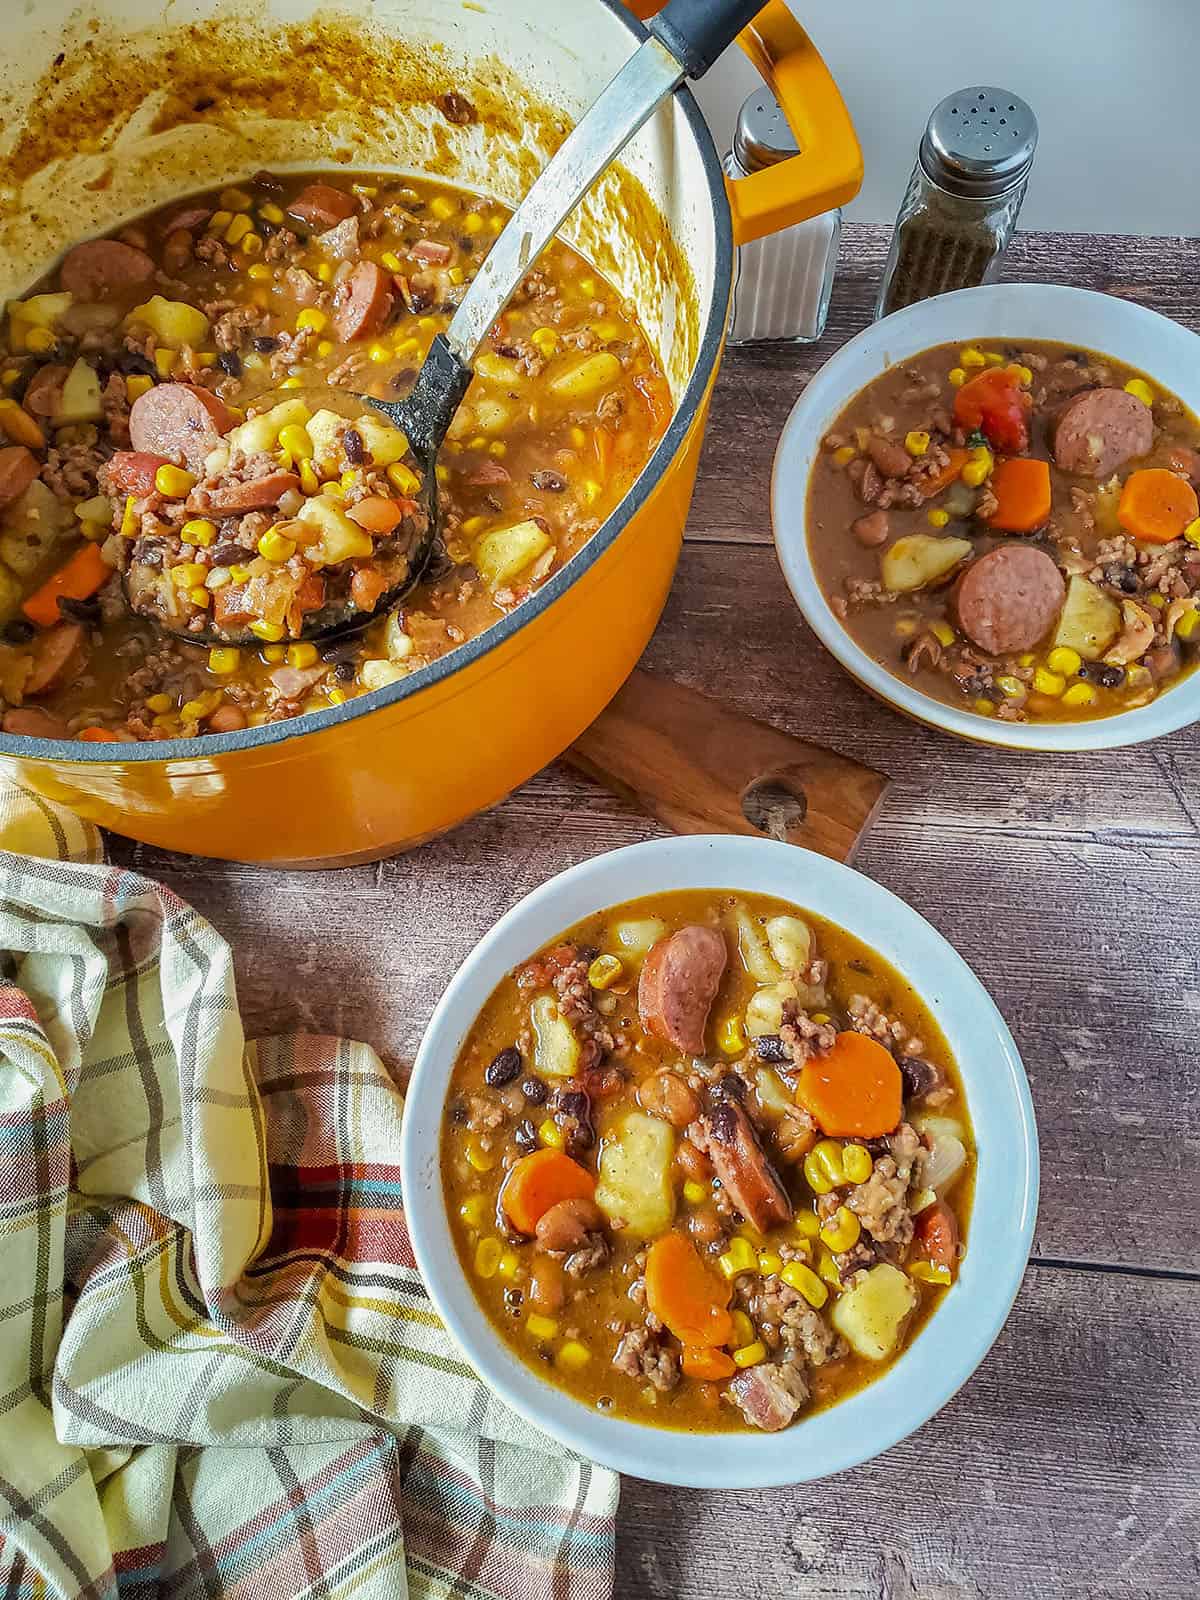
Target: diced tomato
point(937, 1234)
point(995, 403)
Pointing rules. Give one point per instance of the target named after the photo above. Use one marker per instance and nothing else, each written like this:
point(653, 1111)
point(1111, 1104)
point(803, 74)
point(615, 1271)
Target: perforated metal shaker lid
point(979, 142)
point(762, 136)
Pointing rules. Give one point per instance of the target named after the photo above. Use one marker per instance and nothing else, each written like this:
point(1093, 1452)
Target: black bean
point(229, 554)
point(79, 610)
point(18, 631)
point(525, 1135)
point(509, 351)
point(723, 1123)
point(573, 1103)
point(265, 343)
point(553, 482)
point(534, 1090)
point(1099, 673)
point(356, 451)
point(504, 1068)
point(344, 671)
point(148, 552)
point(730, 1087)
point(770, 1047)
point(268, 181)
point(131, 364)
point(467, 245)
point(340, 649)
point(919, 1076)
point(229, 361)
point(514, 1299)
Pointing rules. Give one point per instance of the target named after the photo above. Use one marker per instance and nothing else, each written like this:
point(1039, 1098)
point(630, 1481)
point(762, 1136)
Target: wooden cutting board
point(698, 766)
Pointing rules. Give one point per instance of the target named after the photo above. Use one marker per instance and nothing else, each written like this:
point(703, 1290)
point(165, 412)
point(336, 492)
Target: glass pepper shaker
point(784, 280)
point(961, 204)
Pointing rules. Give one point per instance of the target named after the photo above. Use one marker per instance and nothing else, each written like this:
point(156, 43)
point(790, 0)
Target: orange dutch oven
point(107, 115)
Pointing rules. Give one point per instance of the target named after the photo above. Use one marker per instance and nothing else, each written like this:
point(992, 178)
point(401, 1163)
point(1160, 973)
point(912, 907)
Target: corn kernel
point(474, 1210)
point(138, 384)
point(904, 627)
point(943, 633)
point(276, 547)
point(927, 1272)
point(291, 383)
point(481, 1158)
point(40, 340)
point(957, 377)
point(821, 1017)
point(604, 971)
point(309, 481)
point(206, 358)
point(937, 518)
point(856, 1163)
point(391, 261)
point(509, 1265)
point(743, 1328)
point(202, 706)
point(829, 1153)
point(259, 272)
point(1187, 624)
point(1026, 658)
point(234, 199)
point(174, 481)
point(750, 1354)
point(472, 222)
point(442, 207)
point(218, 221)
point(807, 1224)
point(1048, 683)
point(978, 467)
point(199, 530)
point(456, 275)
point(551, 1135)
point(1079, 694)
point(544, 341)
point(695, 1193)
point(497, 448)
point(1192, 533)
point(844, 455)
point(993, 358)
point(541, 1327)
point(269, 631)
point(310, 317)
point(9, 376)
point(819, 1181)
point(1141, 390)
point(916, 442)
point(379, 353)
point(323, 271)
point(302, 655)
point(199, 596)
point(164, 362)
point(403, 479)
point(805, 1282)
point(251, 245)
point(487, 1257)
point(270, 212)
point(971, 357)
point(296, 441)
point(158, 703)
point(188, 574)
point(1011, 687)
point(731, 1036)
point(337, 697)
point(572, 1355)
point(1157, 600)
point(1065, 660)
point(239, 574)
point(129, 519)
point(827, 1269)
point(740, 1257)
point(238, 229)
point(842, 1230)
point(224, 659)
point(325, 347)
point(985, 708)
point(1024, 375)
point(918, 1199)
point(495, 224)
point(770, 1263)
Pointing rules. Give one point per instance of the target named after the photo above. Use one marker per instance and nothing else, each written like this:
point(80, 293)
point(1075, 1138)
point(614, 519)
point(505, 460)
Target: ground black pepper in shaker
point(962, 200)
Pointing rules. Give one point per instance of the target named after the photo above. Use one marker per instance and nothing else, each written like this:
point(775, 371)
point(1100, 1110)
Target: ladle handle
point(696, 32)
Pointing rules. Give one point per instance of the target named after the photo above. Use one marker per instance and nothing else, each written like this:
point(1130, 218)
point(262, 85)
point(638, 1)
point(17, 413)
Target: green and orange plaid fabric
point(220, 1374)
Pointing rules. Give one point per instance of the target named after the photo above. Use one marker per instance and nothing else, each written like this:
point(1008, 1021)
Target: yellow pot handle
point(828, 170)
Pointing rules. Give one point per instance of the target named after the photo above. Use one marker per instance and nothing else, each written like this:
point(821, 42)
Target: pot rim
point(212, 745)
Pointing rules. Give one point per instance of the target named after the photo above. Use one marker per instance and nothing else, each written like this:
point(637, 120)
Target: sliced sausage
point(320, 205)
point(362, 302)
point(1008, 599)
point(34, 723)
point(100, 267)
point(18, 468)
point(45, 390)
point(679, 982)
point(178, 419)
point(770, 1394)
point(190, 218)
point(1100, 430)
point(256, 495)
point(292, 682)
point(431, 251)
point(132, 471)
point(176, 250)
point(52, 655)
point(727, 1137)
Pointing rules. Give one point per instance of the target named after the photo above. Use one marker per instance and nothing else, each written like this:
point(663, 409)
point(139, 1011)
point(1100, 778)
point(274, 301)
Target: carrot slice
point(937, 1233)
point(683, 1293)
point(1157, 505)
point(95, 735)
point(709, 1365)
point(947, 475)
point(76, 579)
point(537, 1182)
point(855, 1090)
point(1022, 489)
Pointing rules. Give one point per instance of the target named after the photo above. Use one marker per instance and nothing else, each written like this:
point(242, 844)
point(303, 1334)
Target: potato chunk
point(919, 559)
point(636, 935)
point(754, 948)
point(503, 553)
point(173, 322)
point(790, 941)
point(871, 1315)
point(635, 1174)
point(556, 1049)
point(1090, 619)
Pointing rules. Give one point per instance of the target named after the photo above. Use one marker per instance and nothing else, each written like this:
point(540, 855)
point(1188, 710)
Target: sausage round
point(44, 391)
point(18, 468)
point(178, 419)
point(132, 471)
point(678, 984)
point(362, 302)
point(53, 653)
point(99, 267)
point(320, 205)
point(1100, 430)
point(34, 723)
point(258, 494)
point(1008, 599)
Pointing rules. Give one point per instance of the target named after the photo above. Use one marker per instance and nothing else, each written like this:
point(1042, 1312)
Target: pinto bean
point(705, 1225)
point(871, 529)
point(666, 1095)
point(547, 1285)
point(566, 1225)
point(227, 719)
point(893, 460)
point(692, 1162)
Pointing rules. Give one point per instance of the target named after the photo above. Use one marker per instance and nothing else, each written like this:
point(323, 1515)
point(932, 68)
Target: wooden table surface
point(1070, 1464)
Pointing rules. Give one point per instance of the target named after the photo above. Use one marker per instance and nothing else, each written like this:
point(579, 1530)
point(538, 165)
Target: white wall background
point(1113, 83)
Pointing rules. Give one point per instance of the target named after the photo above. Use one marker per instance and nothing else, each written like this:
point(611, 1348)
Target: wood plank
point(759, 385)
point(1067, 1467)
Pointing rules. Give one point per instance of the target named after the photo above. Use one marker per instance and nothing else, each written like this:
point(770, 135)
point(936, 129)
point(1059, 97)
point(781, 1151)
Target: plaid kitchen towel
point(220, 1374)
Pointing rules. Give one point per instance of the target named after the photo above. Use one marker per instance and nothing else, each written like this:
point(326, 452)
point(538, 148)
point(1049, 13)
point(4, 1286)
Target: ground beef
point(483, 1115)
point(234, 328)
point(70, 470)
point(786, 1322)
point(212, 251)
point(881, 1203)
point(795, 1133)
point(574, 992)
point(643, 1353)
point(802, 1037)
point(115, 404)
point(866, 1017)
point(281, 245)
point(592, 1253)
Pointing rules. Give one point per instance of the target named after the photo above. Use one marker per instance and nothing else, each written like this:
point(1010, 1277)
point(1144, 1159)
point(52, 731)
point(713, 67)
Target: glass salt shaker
point(784, 280)
point(962, 200)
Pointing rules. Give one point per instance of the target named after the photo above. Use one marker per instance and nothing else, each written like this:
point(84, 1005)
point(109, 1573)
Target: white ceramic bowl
point(1012, 313)
point(963, 1328)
